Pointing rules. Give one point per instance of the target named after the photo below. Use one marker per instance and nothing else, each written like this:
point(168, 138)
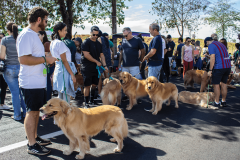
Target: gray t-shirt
point(11, 52)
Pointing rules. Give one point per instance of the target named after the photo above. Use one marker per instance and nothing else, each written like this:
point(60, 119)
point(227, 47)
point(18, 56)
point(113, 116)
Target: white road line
point(24, 143)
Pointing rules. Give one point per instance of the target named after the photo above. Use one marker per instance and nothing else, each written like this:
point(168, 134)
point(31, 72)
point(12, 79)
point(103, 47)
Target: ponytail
point(13, 28)
point(56, 28)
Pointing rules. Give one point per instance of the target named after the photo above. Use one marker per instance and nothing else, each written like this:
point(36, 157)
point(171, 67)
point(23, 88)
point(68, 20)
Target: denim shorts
point(154, 71)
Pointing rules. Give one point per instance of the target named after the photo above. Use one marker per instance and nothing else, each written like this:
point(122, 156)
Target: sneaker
point(37, 149)
point(41, 141)
point(223, 104)
point(4, 107)
point(139, 101)
point(125, 98)
point(98, 98)
point(217, 106)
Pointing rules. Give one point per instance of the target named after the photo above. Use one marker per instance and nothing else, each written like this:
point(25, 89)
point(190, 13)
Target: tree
point(179, 14)
point(224, 18)
point(12, 11)
point(75, 12)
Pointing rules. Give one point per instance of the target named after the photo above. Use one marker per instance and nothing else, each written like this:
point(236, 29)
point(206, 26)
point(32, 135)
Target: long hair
point(56, 28)
point(13, 28)
point(45, 39)
point(224, 41)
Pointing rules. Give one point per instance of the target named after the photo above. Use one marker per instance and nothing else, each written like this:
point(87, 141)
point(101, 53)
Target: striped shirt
point(222, 59)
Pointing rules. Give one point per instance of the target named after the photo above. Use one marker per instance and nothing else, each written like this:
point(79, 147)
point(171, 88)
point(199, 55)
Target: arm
point(150, 54)
point(183, 48)
point(103, 61)
point(90, 58)
point(65, 63)
point(2, 52)
point(212, 61)
point(120, 59)
point(143, 54)
point(165, 51)
point(193, 54)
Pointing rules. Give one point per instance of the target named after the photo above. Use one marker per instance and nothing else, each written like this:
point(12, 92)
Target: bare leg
point(30, 126)
point(36, 125)
point(224, 91)
point(86, 90)
point(216, 92)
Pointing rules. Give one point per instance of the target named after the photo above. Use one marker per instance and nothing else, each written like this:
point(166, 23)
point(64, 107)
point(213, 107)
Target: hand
point(209, 73)
point(50, 59)
point(73, 78)
point(112, 62)
point(98, 64)
point(106, 69)
point(169, 49)
point(119, 66)
point(145, 58)
point(140, 65)
point(182, 62)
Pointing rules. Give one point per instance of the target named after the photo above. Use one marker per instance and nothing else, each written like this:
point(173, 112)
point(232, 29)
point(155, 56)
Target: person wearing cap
point(154, 57)
point(78, 42)
point(130, 53)
point(92, 53)
point(171, 46)
point(220, 68)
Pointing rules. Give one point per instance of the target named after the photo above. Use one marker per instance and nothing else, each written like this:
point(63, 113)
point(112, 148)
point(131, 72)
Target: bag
point(2, 66)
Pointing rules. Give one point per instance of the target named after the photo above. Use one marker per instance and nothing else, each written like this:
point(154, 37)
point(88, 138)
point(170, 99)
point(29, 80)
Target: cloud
point(139, 6)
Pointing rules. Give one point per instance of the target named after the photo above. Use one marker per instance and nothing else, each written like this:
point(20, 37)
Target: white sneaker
point(4, 107)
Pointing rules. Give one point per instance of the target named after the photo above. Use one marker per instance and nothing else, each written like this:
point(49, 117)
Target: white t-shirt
point(28, 43)
point(163, 47)
point(58, 47)
point(78, 56)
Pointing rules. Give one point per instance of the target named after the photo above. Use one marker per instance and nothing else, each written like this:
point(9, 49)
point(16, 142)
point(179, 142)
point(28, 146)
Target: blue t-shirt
point(130, 51)
point(156, 59)
point(170, 45)
point(222, 59)
point(179, 49)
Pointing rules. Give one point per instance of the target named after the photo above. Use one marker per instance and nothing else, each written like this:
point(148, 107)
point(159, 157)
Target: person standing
point(171, 46)
point(130, 53)
point(197, 56)
point(164, 51)
point(64, 67)
point(9, 53)
point(144, 63)
point(3, 85)
point(178, 54)
point(78, 43)
point(32, 79)
point(92, 52)
point(154, 56)
point(119, 47)
point(187, 56)
point(220, 68)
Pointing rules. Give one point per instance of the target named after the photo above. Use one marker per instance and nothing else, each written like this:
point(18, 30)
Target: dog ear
point(129, 77)
point(64, 106)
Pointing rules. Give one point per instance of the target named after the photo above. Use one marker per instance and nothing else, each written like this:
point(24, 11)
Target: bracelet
point(105, 66)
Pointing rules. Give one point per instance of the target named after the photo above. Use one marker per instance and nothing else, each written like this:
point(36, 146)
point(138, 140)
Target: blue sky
point(138, 18)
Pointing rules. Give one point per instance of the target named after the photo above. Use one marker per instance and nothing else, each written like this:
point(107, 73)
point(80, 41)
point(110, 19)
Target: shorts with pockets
point(90, 78)
point(34, 98)
point(220, 75)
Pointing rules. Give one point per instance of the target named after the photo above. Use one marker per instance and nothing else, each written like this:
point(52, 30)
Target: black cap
point(78, 39)
point(95, 28)
point(207, 39)
point(169, 36)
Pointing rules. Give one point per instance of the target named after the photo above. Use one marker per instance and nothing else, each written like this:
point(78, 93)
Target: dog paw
point(112, 139)
point(79, 157)
point(117, 150)
point(128, 108)
point(67, 152)
point(155, 113)
point(151, 110)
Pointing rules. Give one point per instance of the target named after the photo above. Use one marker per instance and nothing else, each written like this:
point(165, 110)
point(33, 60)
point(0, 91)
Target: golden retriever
point(197, 98)
point(160, 93)
point(79, 124)
point(230, 78)
point(115, 74)
point(196, 76)
point(132, 87)
point(111, 92)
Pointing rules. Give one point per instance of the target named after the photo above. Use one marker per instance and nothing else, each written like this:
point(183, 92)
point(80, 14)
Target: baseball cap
point(207, 39)
point(169, 36)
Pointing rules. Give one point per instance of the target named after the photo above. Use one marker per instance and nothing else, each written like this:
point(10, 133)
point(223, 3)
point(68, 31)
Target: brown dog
point(79, 124)
point(115, 74)
point(132, 87)
point(111, 92)
point(196, 76)
point(160, 92)
point(230, 78)
point(197, 98)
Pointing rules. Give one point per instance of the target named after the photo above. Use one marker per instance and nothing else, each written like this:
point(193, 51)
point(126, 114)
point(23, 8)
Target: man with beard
point(32, 76)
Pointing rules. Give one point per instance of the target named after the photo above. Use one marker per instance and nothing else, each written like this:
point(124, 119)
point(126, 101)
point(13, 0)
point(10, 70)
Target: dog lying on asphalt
point(196, 76)
point(132, 87)
point(197, 98)
point(111, 92)
point(160, 93)
point(80, 124)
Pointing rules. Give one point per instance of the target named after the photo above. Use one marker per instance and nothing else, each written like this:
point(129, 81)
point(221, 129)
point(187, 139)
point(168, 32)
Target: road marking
point(24, 143)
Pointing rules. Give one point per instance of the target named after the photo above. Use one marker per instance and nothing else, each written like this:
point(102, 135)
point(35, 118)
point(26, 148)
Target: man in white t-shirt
point(32, 76)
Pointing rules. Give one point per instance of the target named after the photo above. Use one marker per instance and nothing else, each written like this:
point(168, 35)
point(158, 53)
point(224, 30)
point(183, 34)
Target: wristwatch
point(104, 66)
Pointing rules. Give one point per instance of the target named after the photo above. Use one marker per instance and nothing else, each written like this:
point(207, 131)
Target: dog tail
point(125, 128)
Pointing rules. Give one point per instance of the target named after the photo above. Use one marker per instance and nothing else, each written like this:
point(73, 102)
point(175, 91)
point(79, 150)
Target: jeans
point(134, 71)
point(154, 71)
point(49, 84)
point(11, 77)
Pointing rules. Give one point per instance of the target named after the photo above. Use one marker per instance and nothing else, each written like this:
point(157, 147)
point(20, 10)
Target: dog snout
point(41, 110)
point(149, 87)
point(121, 81)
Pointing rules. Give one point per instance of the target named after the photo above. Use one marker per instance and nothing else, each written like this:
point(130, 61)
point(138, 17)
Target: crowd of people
point(32, 62)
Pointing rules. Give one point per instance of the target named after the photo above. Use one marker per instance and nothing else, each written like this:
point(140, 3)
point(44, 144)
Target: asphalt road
point(186, 133)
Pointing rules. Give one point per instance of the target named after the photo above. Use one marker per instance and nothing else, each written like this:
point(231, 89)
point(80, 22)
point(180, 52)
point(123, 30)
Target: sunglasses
point(95, 35)
point(125, 35)
point(45, 20)
point(189, 41)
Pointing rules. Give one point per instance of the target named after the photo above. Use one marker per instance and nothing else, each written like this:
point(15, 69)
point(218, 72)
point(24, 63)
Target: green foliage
point(179, 14)
point(224, 18)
